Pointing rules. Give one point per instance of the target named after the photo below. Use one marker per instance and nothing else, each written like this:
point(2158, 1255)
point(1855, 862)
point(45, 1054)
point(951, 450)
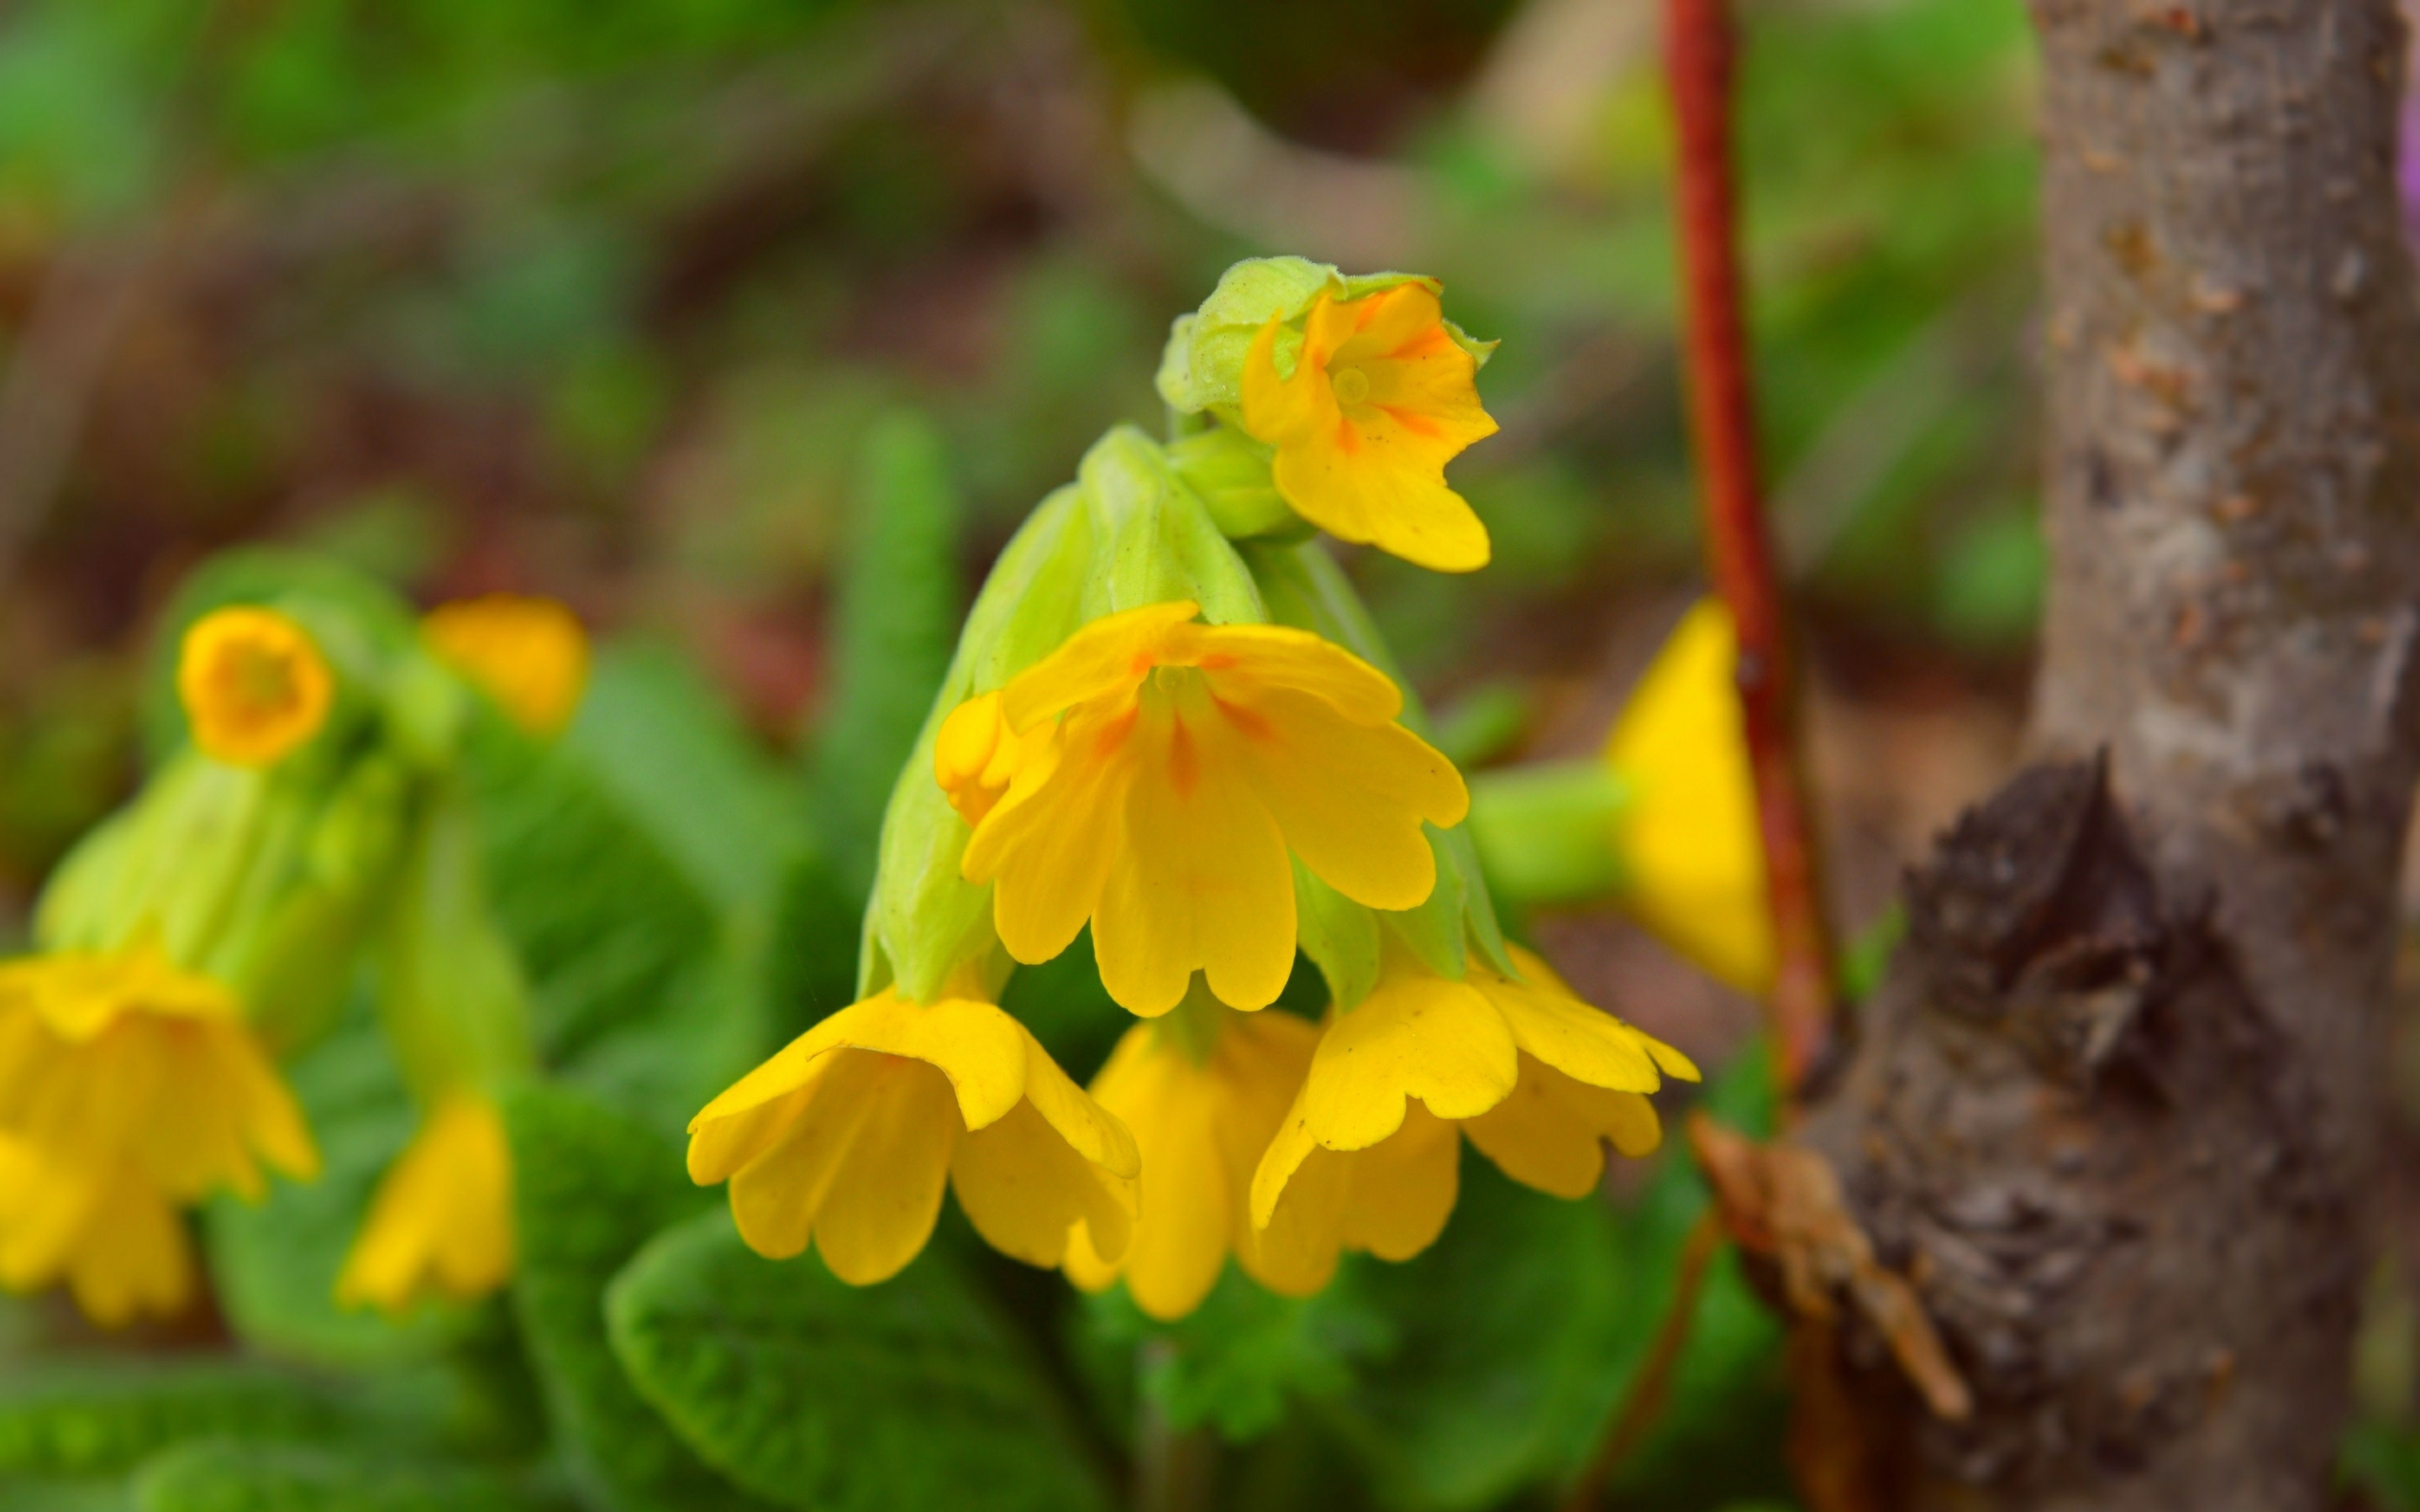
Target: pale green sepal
point(923, 919)
point(1230, 472)
point(1202, 365)
point(1455, 848)
point(1340, 935)
point(1435, 930)
point(451, 993)
point(1156, 542)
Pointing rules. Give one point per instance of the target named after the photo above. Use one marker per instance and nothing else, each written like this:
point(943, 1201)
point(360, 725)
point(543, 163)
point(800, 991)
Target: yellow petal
point(1108, 656)
point(136, 1259)
point(1402, 1188)
point(1092, 1130)
point(1350, 798)
point(777, 1197)
point(530, 655)
point(1025, 1190)
point(1540, 1140)
point(1048, 845)
point(1689, 839)
point(1243, 661)
point(440, 1222)
point(254, 684)
point(979, 1048)
point(1204, 884)
point(1370, 482)
point(885, 1191)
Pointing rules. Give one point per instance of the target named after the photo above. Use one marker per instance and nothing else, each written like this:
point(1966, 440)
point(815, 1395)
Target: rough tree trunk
point(2116, 1110)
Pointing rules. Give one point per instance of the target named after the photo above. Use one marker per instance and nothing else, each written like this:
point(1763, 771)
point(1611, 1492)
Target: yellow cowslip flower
point(1366, 1157)
point(1165, 771)
point(443, 1219)
point(529, 654)
point(102, 1228)
point(847, 1135)
point(1201, 1115)
point(1687, 840)
point(1381, 398)
point(976, 754)
point(123, 1057)
point(254, 684)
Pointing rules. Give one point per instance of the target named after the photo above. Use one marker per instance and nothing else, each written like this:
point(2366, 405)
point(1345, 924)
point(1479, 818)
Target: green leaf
point(818, 1395)
point(897, 624)
point(590, 1188)
point(673, 761)
point(110, 1495)
point(638, 988)
point(69, 1417)
point(218, 1477)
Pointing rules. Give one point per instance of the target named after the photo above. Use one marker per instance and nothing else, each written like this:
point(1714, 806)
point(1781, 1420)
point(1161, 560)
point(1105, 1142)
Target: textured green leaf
point(900, 600)
point(818, 1395)
point(590, 1187)
point(69, 1417)
point(673, 760)
point(218, 1477)
point(811, 963)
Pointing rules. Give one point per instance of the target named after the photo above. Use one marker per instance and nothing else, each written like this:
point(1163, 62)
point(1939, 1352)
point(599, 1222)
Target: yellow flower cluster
point(1169, 743)
point(220, 918)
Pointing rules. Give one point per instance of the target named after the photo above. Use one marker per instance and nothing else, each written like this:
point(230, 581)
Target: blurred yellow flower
point(1691, 854)
point(1201, 1115)
point(103, 1228)
point(1178, 765)
point(1366, 1157)
point(1381, 398)
point(254, 684)
point(443, 1220)
point(530, 655)
point(123, 1057)
point(846, 1138)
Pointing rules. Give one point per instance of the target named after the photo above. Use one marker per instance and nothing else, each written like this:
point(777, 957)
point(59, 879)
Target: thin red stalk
point(1698, 49)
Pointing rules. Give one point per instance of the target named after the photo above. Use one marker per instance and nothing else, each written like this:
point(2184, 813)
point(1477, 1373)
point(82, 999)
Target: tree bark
point(2117, 1107)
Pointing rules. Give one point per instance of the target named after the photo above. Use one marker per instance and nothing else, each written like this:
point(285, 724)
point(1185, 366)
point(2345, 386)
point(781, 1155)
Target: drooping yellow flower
point(123, 1057)
point(1366, 1157)
point(254, 684)
point(1201, 1115)
point(846, 1137)
point(975, 756)
point(1177, 765)
point(102, 1228)
point(1687, 839)
point(443, 1220)
point(530, 655)
point(1381, 398)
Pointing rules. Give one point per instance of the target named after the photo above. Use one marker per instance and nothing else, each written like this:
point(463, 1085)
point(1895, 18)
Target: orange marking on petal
point(1348, 440)
point(1413, 421)
point(1183, 760)
point(1427, 343)
point(1249, 723)
point(1113, 734)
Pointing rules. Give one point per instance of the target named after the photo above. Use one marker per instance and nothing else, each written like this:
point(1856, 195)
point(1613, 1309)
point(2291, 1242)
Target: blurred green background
point(609, 301)
point(596, 299)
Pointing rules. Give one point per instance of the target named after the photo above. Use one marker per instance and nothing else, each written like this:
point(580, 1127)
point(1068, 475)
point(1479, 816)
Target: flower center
point(1352, 385)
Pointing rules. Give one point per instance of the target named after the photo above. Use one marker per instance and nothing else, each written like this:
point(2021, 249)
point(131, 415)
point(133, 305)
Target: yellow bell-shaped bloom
point(846, 1137)
point(530, 655)
point(1686, 841)
point(1201, 1115)
point(442, 1221)
point(1381, 398)
point(101, 1228)
point(123, 1057)
point(1178, 764)
point(254, 684)
point(1366, 1157)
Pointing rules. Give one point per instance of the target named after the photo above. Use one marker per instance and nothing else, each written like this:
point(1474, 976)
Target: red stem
point(1698, 49)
